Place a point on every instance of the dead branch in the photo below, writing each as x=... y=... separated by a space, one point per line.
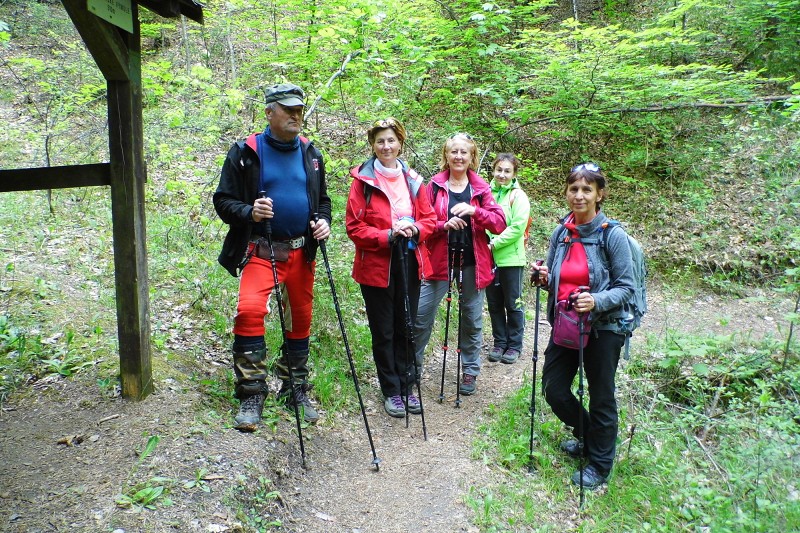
x=335 y=75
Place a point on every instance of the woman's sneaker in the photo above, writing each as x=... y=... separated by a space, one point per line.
x=468 y=384
x=592 y=477
x=394 y=406
x=510 y=356
x=572 y=448
x=414 y=406
x=496 y=354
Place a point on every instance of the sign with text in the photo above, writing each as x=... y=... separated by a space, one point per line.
x=117 y=12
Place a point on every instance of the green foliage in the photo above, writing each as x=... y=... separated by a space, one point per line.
x=25 y=357
x=66 y=361
x=704 y=448
x=154 y=492
x=746 y=34
x=199 y=481
x=256 y=503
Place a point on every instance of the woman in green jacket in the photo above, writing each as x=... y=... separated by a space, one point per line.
x=504 y=296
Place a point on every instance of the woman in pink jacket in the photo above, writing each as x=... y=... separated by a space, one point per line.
x=465 y=210
x=389 y=217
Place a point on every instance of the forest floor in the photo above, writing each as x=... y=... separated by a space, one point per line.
x=67 y=451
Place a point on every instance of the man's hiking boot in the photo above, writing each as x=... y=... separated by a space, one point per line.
x=249 y=415
x=570 y=447
x=395 y=407
x=468 y=384
x=592 y=477
x=307 y=410
x=510 y=356
x=496 y=354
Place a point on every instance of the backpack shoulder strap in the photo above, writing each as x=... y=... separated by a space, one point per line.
x=367 y=191
x=610 y=224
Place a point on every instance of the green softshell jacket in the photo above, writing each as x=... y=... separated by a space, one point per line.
x=509 y=246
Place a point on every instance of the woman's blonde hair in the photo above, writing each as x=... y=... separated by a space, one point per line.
x=388 y=123
x=473 y=148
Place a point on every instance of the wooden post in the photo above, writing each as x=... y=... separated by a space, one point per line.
x=128 y=176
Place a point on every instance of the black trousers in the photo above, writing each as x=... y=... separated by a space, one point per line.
x=600 y=423
x=392 y=349
x=506 y=308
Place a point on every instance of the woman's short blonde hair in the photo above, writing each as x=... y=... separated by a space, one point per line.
x=388 y=123
x=473 y=148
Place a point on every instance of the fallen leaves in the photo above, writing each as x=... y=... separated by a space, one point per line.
x=71 y=440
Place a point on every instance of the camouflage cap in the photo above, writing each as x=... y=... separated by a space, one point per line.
x=287 y=94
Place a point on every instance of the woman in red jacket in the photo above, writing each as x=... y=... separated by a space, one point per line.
x=465 y=210
x=389 y=215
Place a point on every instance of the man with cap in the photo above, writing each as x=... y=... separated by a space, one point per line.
x=276 y=176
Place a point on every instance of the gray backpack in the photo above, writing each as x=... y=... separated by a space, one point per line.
x=631 y=313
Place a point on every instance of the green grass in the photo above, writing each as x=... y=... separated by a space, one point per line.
x=696 y=451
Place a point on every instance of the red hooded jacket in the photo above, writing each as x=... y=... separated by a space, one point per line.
x=488 y=216
x=369 y=217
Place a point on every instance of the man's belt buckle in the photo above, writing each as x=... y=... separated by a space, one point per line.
x=295 y=243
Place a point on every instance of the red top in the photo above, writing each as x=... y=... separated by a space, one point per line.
x=574 y=268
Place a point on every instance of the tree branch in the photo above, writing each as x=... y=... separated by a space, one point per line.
x=335 y=75
x=724 y=104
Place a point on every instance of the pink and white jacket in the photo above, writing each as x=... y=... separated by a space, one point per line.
x=369 y=217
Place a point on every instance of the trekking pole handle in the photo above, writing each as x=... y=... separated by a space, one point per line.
x=536 y=278
x=576 y=292
x=267 y=223
x=315 y=217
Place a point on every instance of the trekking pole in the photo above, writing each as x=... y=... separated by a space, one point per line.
x=322 y=246
x=538 y=284
x=451 y=256
x=460 y=252
x=581 y=429
x=284 y=346
x=410 y=343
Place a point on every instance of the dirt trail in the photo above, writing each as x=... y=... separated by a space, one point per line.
x=421 y=484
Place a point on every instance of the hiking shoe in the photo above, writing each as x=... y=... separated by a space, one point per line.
x=249 y=415
x=510 y=356
x=570 y=447
x=307 y=409
x=414 y=407
x=395 y=407
x=468 y=384
x=496 y=354
x=592 y=478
